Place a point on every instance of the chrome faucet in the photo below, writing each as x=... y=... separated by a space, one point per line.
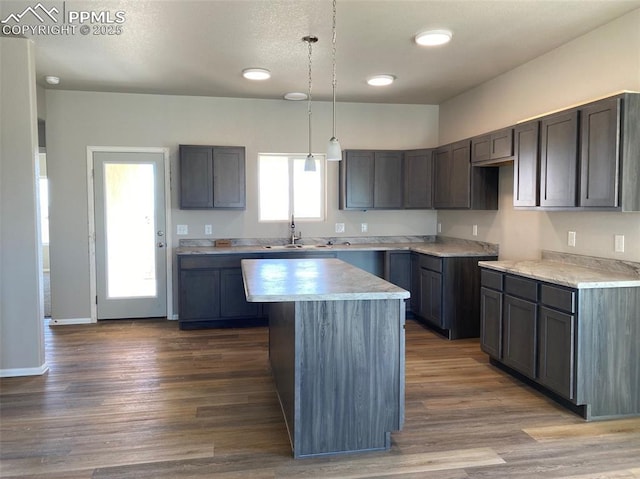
x=294 y=238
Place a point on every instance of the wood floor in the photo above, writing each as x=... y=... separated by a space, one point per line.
x=141 y=399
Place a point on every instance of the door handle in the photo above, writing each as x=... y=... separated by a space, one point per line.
x=161 y=245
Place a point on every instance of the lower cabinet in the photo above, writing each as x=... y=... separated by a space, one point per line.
x=211 y=292
x=578 y=345
x=445 y=293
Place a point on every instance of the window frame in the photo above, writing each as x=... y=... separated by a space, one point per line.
x=291 y=157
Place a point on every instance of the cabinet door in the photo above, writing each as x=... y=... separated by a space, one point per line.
x=480 y=148
x=525 y=164
x=199 y=295
x=431 y=297
x=599 y=154
x=556 y=343
x=441 y=176
x=233 y=301
x=418 y=168
x=460 y=180
x=502 y=143
x=229 y=177
x=416 y=291
x=519 y=335
x=357 y=182
x=196 y=176
x=491 y=322
x=559 y=160
x=388 y=179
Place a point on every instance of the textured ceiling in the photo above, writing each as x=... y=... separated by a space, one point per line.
x=201 y=47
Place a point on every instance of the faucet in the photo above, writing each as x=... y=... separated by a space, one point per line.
x=293 y=232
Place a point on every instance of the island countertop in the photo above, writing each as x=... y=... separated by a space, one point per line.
x=326 y=279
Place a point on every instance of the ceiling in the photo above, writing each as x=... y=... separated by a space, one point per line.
x=200 y=47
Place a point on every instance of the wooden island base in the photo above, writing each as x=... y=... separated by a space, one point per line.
x=339 y=372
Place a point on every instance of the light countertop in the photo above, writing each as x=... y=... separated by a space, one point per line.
x=566 y=274
x=327 y=279
x=452 y=249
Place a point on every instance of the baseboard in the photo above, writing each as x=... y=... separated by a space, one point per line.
x=173 y=317
x=12 y=373
x=65 y=322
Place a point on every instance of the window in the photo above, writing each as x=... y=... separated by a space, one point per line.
x=286 y=189
x=44 y=209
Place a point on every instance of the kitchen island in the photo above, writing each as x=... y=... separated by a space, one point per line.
x=336 y=347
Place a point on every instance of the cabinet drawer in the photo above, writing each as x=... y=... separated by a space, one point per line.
x=522 y=287
x=558 y=298
x=491 y=279
x=432 y=263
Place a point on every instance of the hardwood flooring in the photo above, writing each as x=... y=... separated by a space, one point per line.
x=141 y=399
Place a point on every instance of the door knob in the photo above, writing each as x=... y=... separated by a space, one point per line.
x=160 y=233
x=161 y=245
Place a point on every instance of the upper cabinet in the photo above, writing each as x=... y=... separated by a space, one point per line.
x=418 y=178
x=459 y=185
x=371 y=180
x=493 y=148
x=212 y=177
x=586 y=157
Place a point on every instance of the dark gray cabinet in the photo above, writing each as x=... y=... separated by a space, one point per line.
x=418 y=179
x=599 y=153
x=559 y=159
x=491 y=313
x=581 y=345
x=211 y=292
x=589 y=158
x=458 y=185
x=445 y=293
x=526 y=164
x=371 y=180
x=212 y=177
x=492 y=148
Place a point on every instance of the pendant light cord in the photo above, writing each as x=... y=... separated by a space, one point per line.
x=333 y=52
x=310 y=40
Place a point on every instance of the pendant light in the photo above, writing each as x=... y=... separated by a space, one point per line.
x=334 y=152
x=310 y=162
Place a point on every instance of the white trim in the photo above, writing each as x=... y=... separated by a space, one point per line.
x=173 y=317
x=93 y=290
x=12 y=373
x=68 y=321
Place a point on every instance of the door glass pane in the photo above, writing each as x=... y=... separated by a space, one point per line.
x=130 y=230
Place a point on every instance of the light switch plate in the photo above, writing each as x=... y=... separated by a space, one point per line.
x=364 y=227
x=474 y=230
x=619 y=243
x=339 y=227
x=208 y=229
x=182 y=229
x=439 y=227
x=571 y=238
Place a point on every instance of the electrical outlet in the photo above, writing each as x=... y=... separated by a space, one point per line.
x=619 y=243
x=571 y=238
x=439 y=227
x=474 y=230
x=339 y=227
x=182 y=229
x=208 y=229
x=364 y=227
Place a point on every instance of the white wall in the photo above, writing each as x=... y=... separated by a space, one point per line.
x=21 y=297
x=603 y=61
x=76 y=120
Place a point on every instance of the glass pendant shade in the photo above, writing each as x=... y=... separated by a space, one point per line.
x=310 y=163
x=334 y=152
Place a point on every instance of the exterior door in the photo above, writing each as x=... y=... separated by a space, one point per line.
x=130 y=245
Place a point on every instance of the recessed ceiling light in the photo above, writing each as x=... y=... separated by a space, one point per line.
x=381 y=80
x=51 y=80
x=295 y=96
x=433 y=38
x=256 y=73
